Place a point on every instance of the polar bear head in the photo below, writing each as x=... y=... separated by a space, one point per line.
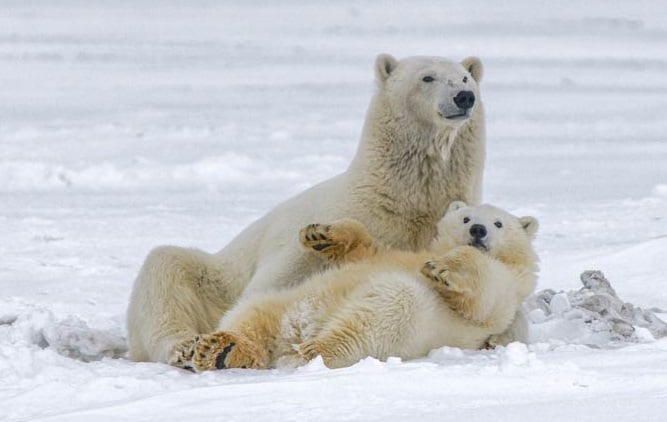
x=430 y=90
x=491 y=230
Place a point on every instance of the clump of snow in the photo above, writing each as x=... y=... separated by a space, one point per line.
x=315 y=365
x=593 y=315
x=72 y=337
x=69 y=336
x=515 y=355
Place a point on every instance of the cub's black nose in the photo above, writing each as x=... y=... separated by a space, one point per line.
x=465 y=99
x=477 y=231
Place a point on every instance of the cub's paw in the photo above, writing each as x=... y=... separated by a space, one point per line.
x=318 y=237
x=219 y=350
x=439 y=272
x=344 y=240
x=457 y=286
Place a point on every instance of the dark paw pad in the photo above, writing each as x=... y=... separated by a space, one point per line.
x=220 y=359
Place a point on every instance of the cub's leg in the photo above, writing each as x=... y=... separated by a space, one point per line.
x=342 y=241
x=338 y=349
x=476 y=286
x=377 y=319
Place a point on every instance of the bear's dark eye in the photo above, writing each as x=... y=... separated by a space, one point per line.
x=428 y=79
x=466 y=220
x=465 y=79
x=498 y=224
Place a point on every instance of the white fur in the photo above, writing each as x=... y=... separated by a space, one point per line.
x=410 y=164
x=384 y=306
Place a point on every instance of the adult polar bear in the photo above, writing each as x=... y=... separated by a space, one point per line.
x=422 y=147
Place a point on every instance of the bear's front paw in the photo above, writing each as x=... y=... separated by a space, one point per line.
x=435 y=273
x=219 y=350
x=317 y=237
x=445 y=278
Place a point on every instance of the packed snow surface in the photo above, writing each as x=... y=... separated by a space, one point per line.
x=129 y=124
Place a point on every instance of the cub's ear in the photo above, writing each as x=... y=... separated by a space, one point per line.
x=456 y=205
x=384 y=65
x=529 y=224
x=474 y=66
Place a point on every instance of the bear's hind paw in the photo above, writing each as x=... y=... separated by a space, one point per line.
x=222 y=350
x=183 y=353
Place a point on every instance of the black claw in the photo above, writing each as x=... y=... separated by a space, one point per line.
x=321 y=246
x=220 y=360
x=322 y=237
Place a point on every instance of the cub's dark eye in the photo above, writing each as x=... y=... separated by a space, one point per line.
x=466 y=220
x=465 y=79
x=428 y=79
x=498 y=224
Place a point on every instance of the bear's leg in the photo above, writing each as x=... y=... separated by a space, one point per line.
x=178 y=294
x=337 y=349
x=459 y=277
x=339 y=242
x=479 y=288
x=348 y=336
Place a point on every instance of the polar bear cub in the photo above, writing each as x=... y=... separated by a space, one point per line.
x=376 y=302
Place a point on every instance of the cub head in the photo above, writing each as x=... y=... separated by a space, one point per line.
x=430 y=90
x=491 y=230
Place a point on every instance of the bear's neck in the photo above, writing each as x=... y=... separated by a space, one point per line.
x=404 y=165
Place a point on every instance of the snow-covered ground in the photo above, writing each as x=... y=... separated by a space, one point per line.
x=129 y=124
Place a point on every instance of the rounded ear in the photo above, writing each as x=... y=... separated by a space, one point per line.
x=529 y=224
x=474 y=66
x=456 y=205
x=384 y=65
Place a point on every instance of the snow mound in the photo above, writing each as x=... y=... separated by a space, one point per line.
x=69 y=336
x=593 y=315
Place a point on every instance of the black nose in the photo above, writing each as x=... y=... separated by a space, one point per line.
x=465 y=99
x=477 y=231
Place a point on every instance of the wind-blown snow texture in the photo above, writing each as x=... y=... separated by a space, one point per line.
x=129 y=124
